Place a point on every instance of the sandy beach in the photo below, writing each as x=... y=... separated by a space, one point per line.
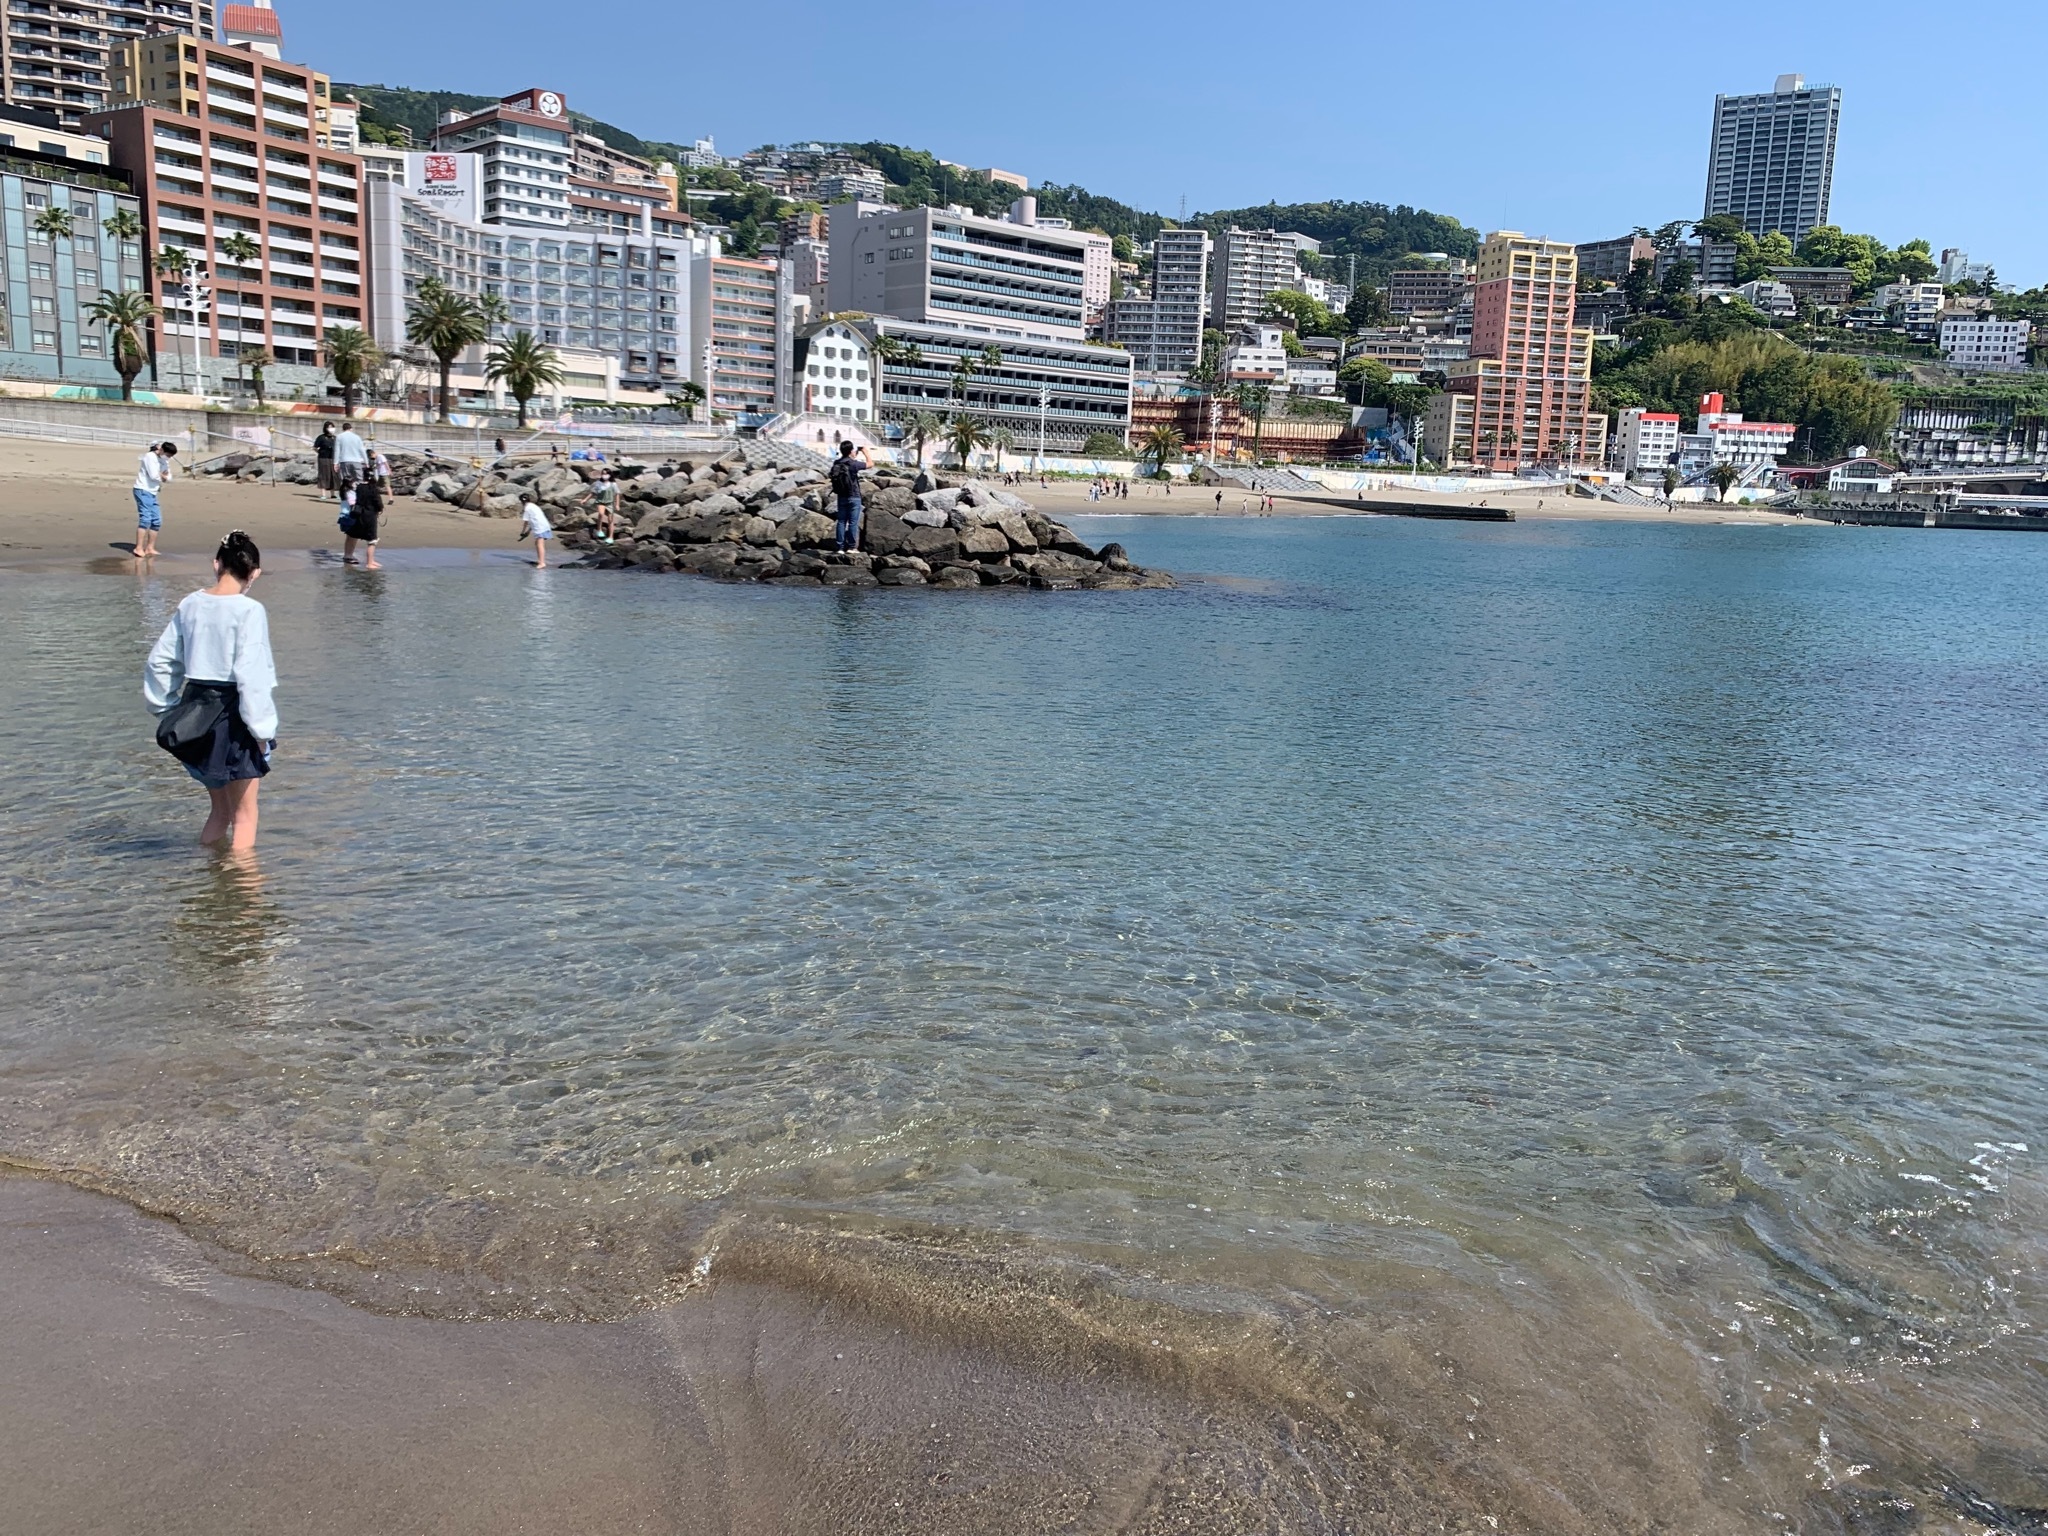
x=66 y=501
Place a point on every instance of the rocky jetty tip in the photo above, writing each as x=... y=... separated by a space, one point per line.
x=757 y=511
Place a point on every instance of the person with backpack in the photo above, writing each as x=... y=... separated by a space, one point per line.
x=846 y=471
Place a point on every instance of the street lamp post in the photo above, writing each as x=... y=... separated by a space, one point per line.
x=194 y=292
x=1044 y=401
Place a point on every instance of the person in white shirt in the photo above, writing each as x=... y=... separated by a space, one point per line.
x=150 y=475
x=534 y=521
x=351 y=458
x=216 y=650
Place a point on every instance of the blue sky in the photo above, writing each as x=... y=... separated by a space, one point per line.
x=1943 y=128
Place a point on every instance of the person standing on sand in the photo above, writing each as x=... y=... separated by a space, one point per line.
x=1219 y=498
x=534 y=521
x=215 y=653
x=151 y=472
x=351 y=458
x=323 y=460
x=846 y=470
x=380 y=470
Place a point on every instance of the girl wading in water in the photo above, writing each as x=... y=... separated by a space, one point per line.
x=209 y=681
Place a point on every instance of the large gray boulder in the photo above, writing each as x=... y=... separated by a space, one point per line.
x=782 y=511
x=718 y=505
x=1014 y=528
x=890 y=498
x=505 y=505
x=927 y=517
x=939 y=501
x=985 y=543
x=885 y=533
x=934 y=544
x=808 y=530
x=748 y=486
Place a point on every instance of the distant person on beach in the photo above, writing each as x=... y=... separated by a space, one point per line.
x=151 y=472
x=534 y=521
x=365 y=504
x=380 y=470
x=323 y=459
x=846 y=471
x=922 y=483
x=209 y=681
x=1219 y=499
x=501 y=447
x=351 y=458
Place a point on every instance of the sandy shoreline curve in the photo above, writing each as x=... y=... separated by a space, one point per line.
x=70 y=502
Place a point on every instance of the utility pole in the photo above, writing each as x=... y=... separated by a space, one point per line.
x=193 y=292
x=1044 y=400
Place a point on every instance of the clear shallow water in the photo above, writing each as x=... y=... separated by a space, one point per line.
x=1590 y=970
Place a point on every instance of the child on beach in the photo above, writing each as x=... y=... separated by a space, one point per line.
x=150 y=476
x=534 y=521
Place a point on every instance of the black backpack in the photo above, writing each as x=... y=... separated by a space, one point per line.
x=845 y=477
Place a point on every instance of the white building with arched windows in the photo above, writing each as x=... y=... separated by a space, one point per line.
x=834 y=372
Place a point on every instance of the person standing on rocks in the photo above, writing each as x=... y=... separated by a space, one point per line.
x=323 y=459
x=604 y=496
x=846 y=471
x=150 y=475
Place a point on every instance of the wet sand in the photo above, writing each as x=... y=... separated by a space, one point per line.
x=149 y=1390
x=66 y=501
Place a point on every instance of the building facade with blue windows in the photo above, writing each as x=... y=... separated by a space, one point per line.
x=49 y=279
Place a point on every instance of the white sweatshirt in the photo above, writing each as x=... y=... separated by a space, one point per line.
x=151 y=472
x=216 y=640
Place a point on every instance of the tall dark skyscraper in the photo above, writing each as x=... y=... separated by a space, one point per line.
x=1772 y=161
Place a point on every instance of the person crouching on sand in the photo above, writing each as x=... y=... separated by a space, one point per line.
x=209 y=680
x=150 y=476
x=534 y=521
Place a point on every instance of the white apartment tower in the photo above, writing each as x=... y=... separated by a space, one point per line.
x=1251 y=264
x=1772 y=160
x=1163 y=333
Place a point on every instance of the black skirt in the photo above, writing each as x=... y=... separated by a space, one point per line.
x=234 y=753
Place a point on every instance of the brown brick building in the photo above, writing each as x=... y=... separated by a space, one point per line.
x=224 y=140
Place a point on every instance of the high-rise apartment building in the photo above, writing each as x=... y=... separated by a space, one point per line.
x=225 y=141
x=1163 y=333
x=1431 y=290
x=739 y=360
x=1529 y=378
x=55 y=54
x=1251 y=265
x=1772 y=159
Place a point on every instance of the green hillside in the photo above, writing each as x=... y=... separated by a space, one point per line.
x=1377 y=234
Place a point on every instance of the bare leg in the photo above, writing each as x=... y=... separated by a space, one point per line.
x=370 y=557
x=348 y=551
x=241 y=803
x=540 y=553
x=217 y=818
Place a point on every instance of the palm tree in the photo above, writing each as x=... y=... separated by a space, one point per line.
x=124 y=314
x=350 y=355
x=1159 y=445
x=258 y=361
x=447 y=325
x=122 y=224
x=1001 y=438
x=969 y=365
x=963 y=435
x=173 y=267
x=525 y=367
x=685 y=397
x=923 y=425
x=1724 y=477
x=238 y=250
x=51 y=225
